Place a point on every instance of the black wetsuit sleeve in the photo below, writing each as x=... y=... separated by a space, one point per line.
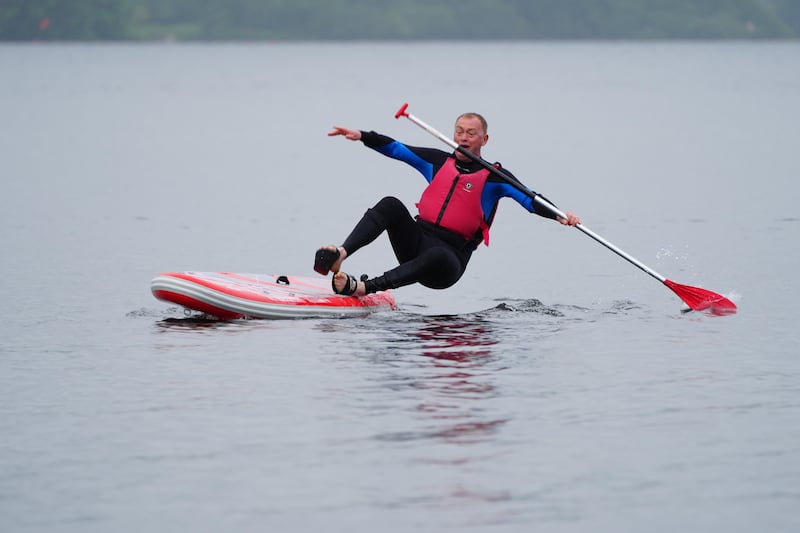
x=542 y=210
x=375 y=140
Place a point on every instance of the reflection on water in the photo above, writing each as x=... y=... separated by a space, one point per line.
x=457 y=340
x=443 y=371
x=450 y=366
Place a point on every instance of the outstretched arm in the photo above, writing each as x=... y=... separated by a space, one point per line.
x=426 y=160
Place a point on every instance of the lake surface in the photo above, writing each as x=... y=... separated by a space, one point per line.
x=555 y=388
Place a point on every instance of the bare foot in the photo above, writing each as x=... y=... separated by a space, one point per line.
x=340 y=281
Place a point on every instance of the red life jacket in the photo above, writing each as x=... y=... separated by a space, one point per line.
x=453 y=201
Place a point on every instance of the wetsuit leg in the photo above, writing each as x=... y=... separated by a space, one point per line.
x=436 y=266
x=388 y=215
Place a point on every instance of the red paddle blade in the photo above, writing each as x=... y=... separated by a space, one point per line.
x=700 y=299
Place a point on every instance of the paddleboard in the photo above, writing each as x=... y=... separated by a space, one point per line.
x=229 y=295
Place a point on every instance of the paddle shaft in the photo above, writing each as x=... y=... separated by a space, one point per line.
x=518 y=185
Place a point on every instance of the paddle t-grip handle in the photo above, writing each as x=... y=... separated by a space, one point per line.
x=402 y=111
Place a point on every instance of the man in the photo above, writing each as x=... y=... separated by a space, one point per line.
x=455 y=212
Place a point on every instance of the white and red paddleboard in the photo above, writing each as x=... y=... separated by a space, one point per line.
x=229 y=296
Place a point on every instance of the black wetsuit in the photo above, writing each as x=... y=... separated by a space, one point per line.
x=429 y=255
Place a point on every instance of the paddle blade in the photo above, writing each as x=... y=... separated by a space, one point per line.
x=700 y=299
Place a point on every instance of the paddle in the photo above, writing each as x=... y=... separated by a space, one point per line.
x=696 y=298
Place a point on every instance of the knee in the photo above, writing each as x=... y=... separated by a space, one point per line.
x=389 y=204
x=389 y=208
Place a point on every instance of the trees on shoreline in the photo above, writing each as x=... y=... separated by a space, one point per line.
x=302 y=20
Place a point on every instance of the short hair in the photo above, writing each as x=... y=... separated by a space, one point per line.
x=475 y=115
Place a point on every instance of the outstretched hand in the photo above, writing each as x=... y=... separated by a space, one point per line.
x=571 y=220
x=353 y=135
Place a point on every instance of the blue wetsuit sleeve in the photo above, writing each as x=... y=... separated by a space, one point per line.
x=427 y=161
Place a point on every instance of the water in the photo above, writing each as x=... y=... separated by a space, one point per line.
x=555 y=388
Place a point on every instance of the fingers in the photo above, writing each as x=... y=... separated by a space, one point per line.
x=337 y=130
x=352 y=135
x=571 y=220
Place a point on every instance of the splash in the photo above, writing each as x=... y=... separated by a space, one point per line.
x=531 y=305
x=667 y=253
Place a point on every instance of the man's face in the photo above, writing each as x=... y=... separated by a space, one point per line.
x=469 y=134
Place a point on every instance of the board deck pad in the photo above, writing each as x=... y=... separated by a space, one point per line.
x=229 y=295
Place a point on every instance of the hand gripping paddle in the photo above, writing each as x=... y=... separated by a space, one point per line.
x=696 y=298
